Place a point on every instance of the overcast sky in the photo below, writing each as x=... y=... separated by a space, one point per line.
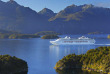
x=57 y=5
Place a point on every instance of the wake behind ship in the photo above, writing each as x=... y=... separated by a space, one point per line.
x=72 y=41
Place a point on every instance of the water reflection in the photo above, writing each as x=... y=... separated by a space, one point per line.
x=40 y=55
x=70 y=49
x=63 y=50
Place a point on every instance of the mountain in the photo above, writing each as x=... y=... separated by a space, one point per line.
x=47 y=12
x=72 y=12
x=19 y=18
x=8 y=32
x=72 y=20
x=83 y=19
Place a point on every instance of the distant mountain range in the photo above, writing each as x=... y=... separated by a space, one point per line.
x=72 y=20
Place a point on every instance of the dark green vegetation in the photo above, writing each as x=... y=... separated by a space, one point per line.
x=47 y=33
x=94 y=60
x=108 y=37
x=12 y=65
x=17 y=36
x=95 y=33
x=72 y=20
x=75 y=71
x=23 y=36
x=50 y=37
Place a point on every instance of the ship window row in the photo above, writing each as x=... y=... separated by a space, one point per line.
x=75 y=41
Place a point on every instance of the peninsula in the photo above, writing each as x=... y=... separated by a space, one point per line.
x=94 y=60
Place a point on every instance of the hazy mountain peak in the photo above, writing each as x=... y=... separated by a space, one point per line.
x=73 y=5
x=12 y=2
x=86 y=6
x=70 y=10
x=46 y=11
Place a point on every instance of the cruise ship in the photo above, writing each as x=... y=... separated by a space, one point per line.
x=73 y=41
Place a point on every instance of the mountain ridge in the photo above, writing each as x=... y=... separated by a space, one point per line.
x=71 y=20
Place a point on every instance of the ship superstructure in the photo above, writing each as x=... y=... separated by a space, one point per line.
x=72 y=41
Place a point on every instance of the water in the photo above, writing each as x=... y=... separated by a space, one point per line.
x=41 y=56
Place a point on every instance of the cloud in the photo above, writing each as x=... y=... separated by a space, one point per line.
x=107 y=5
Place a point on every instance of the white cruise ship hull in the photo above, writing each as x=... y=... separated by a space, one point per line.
x=73 y=41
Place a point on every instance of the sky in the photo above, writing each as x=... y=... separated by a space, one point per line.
x=58 y=5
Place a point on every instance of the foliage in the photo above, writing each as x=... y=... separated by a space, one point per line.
x=95 y=60
x=95 y=32
x=4 y=36
x=49 y=37
x=70 y=61
x=108 y=37
x=12 y=65
x=17 y=36
x=22 y=36
x=47 y=33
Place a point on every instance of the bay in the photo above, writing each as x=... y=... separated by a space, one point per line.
x=42 y=56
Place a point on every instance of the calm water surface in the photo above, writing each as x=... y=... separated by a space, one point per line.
x=41 y=56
